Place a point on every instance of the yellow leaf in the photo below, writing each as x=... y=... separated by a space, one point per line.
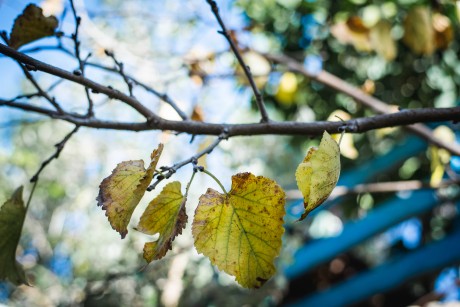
x=368 y=87
x=418 y=31
x=439 y=157
x=30 y=26
x=241 y=231
x=318 y=173
x=12 y=215
x=197 y=114
x=382 y=41
x=121 y=192
x=164 y=215
x=443 y=31
x=354 y=32
x=347 y=146
x=287 y=89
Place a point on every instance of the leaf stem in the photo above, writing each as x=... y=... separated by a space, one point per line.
x=189 y=183
x=31 y=194
x=341 y=137
x=216 y=180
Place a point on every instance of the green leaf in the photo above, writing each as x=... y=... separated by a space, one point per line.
x=30 y=26
x=318 y=173
x=121 y=192
x=164 y=215
x=12 y=215
x=241 y=231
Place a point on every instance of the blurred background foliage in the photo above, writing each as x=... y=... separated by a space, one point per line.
x=404 y=52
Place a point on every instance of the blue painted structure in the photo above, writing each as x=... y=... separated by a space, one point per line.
x=396 y=270
x=392 y=273
x=377 y=221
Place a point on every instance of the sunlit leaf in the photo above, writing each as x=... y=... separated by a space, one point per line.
x=287 y=88
x=31 y=25
x=318 y=173
x=368 y=87
x=418 y=31
x=121 y=192
x=166 y=216
x=197 y=114
x=347 y=146
x=443 y=31
x=353 y=32
x=382 y=41
x=12 y=215
x=241 y=231
x=440 y=157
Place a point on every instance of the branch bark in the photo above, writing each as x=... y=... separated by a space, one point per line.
x=94 y=86
x=358 y=95
x=154 y=122
x=357 y=125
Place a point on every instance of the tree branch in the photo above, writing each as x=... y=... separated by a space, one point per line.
x=246 y=69
x=121 y=71
x=164 y=97
x=357 y=125
x=193 y=159
x=95 y=87
x=81 y=62
x=154 y=122
x=373 y=103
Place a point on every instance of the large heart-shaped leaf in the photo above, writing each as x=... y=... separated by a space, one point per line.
x=241 y=231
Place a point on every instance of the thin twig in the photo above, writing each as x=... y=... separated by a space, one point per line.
x=40 y=92
x=81 y=62
x=59 y=147
x=94 y=86
x=154 y=122
x=246 y=69
x=163 y=96
x=121 y=72
x=193 y=159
